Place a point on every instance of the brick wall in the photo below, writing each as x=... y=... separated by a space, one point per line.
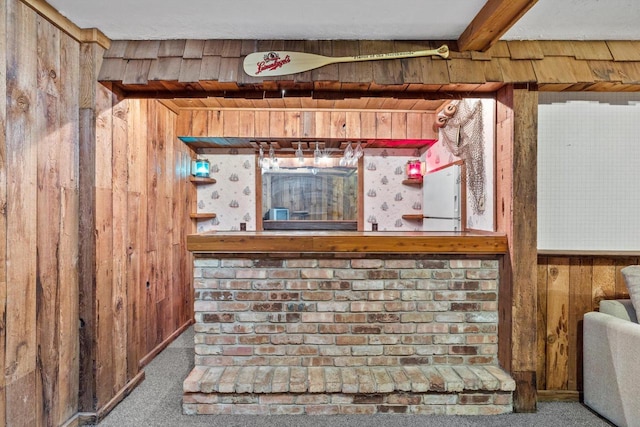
x=345 y=310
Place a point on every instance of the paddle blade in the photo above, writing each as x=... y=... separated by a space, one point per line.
x=280 y=63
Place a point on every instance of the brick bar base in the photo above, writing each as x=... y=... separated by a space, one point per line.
x=267 y=390
x=345 y=334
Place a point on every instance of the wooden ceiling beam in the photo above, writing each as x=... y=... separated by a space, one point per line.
x=494 y=19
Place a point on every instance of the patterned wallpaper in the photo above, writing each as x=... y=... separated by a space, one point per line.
x=386 y=199
x=233 y=197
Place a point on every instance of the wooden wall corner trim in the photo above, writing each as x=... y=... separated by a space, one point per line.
x=83 y=35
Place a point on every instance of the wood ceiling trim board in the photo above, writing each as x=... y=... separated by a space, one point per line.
x=171 y=48
x=142 y=49
x=117 y=49
x=624 y=50
x=494 y=19
x=525 y=50
x=193 y=49
x=592 y=50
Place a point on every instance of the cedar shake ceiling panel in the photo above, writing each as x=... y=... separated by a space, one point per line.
x=193 y=49
x=556 y=48
x=624 y=50
x=171 y=48
x=592 y=50
x=525 y=50
x=142 y=49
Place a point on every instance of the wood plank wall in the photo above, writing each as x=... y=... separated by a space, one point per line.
x=143 y=292
x=49 y=108
x=293 y=123
x=39 y=221
x=568 y=287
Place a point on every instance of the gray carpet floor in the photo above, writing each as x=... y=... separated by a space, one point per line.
x=157 y=401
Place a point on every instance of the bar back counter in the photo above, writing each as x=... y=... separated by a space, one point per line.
x=331 y=322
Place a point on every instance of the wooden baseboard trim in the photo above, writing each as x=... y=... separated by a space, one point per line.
x=124 y=392
x=559 y=396
x=80 y=419
x=149 y=357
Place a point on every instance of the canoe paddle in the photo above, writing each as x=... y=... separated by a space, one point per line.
x=280 y=63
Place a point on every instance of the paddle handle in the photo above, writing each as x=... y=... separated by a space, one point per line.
x=442 y=51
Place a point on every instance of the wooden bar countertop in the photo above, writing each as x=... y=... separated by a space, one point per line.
x=471 y=242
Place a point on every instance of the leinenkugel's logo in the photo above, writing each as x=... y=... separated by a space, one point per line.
x=272 y=61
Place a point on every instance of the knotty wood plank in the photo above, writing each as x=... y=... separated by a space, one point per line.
x=338 y=124
x=199 y=123
x=21 y=219
x=48 y=232
x=580 y=277
x=120 y=214
x=246 y=122
x=383 y=125
x=604 y=280
x=3 y=202
x=231 y=123
x=352 y=125
x=291 y=128
x=215 y=123
x=104 y=336
x=399 y=125
x=543 y=278
x=558 y=324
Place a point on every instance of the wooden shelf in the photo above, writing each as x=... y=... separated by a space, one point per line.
x=413 y=217
x=202 y=215
x=198 y=180
x=413 y=181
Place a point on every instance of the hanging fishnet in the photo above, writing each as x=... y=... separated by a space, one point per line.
x=463 y=137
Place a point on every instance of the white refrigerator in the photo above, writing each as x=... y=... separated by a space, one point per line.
x=441 y=204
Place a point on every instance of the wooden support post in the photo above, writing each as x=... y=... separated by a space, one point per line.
x=517 y=112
